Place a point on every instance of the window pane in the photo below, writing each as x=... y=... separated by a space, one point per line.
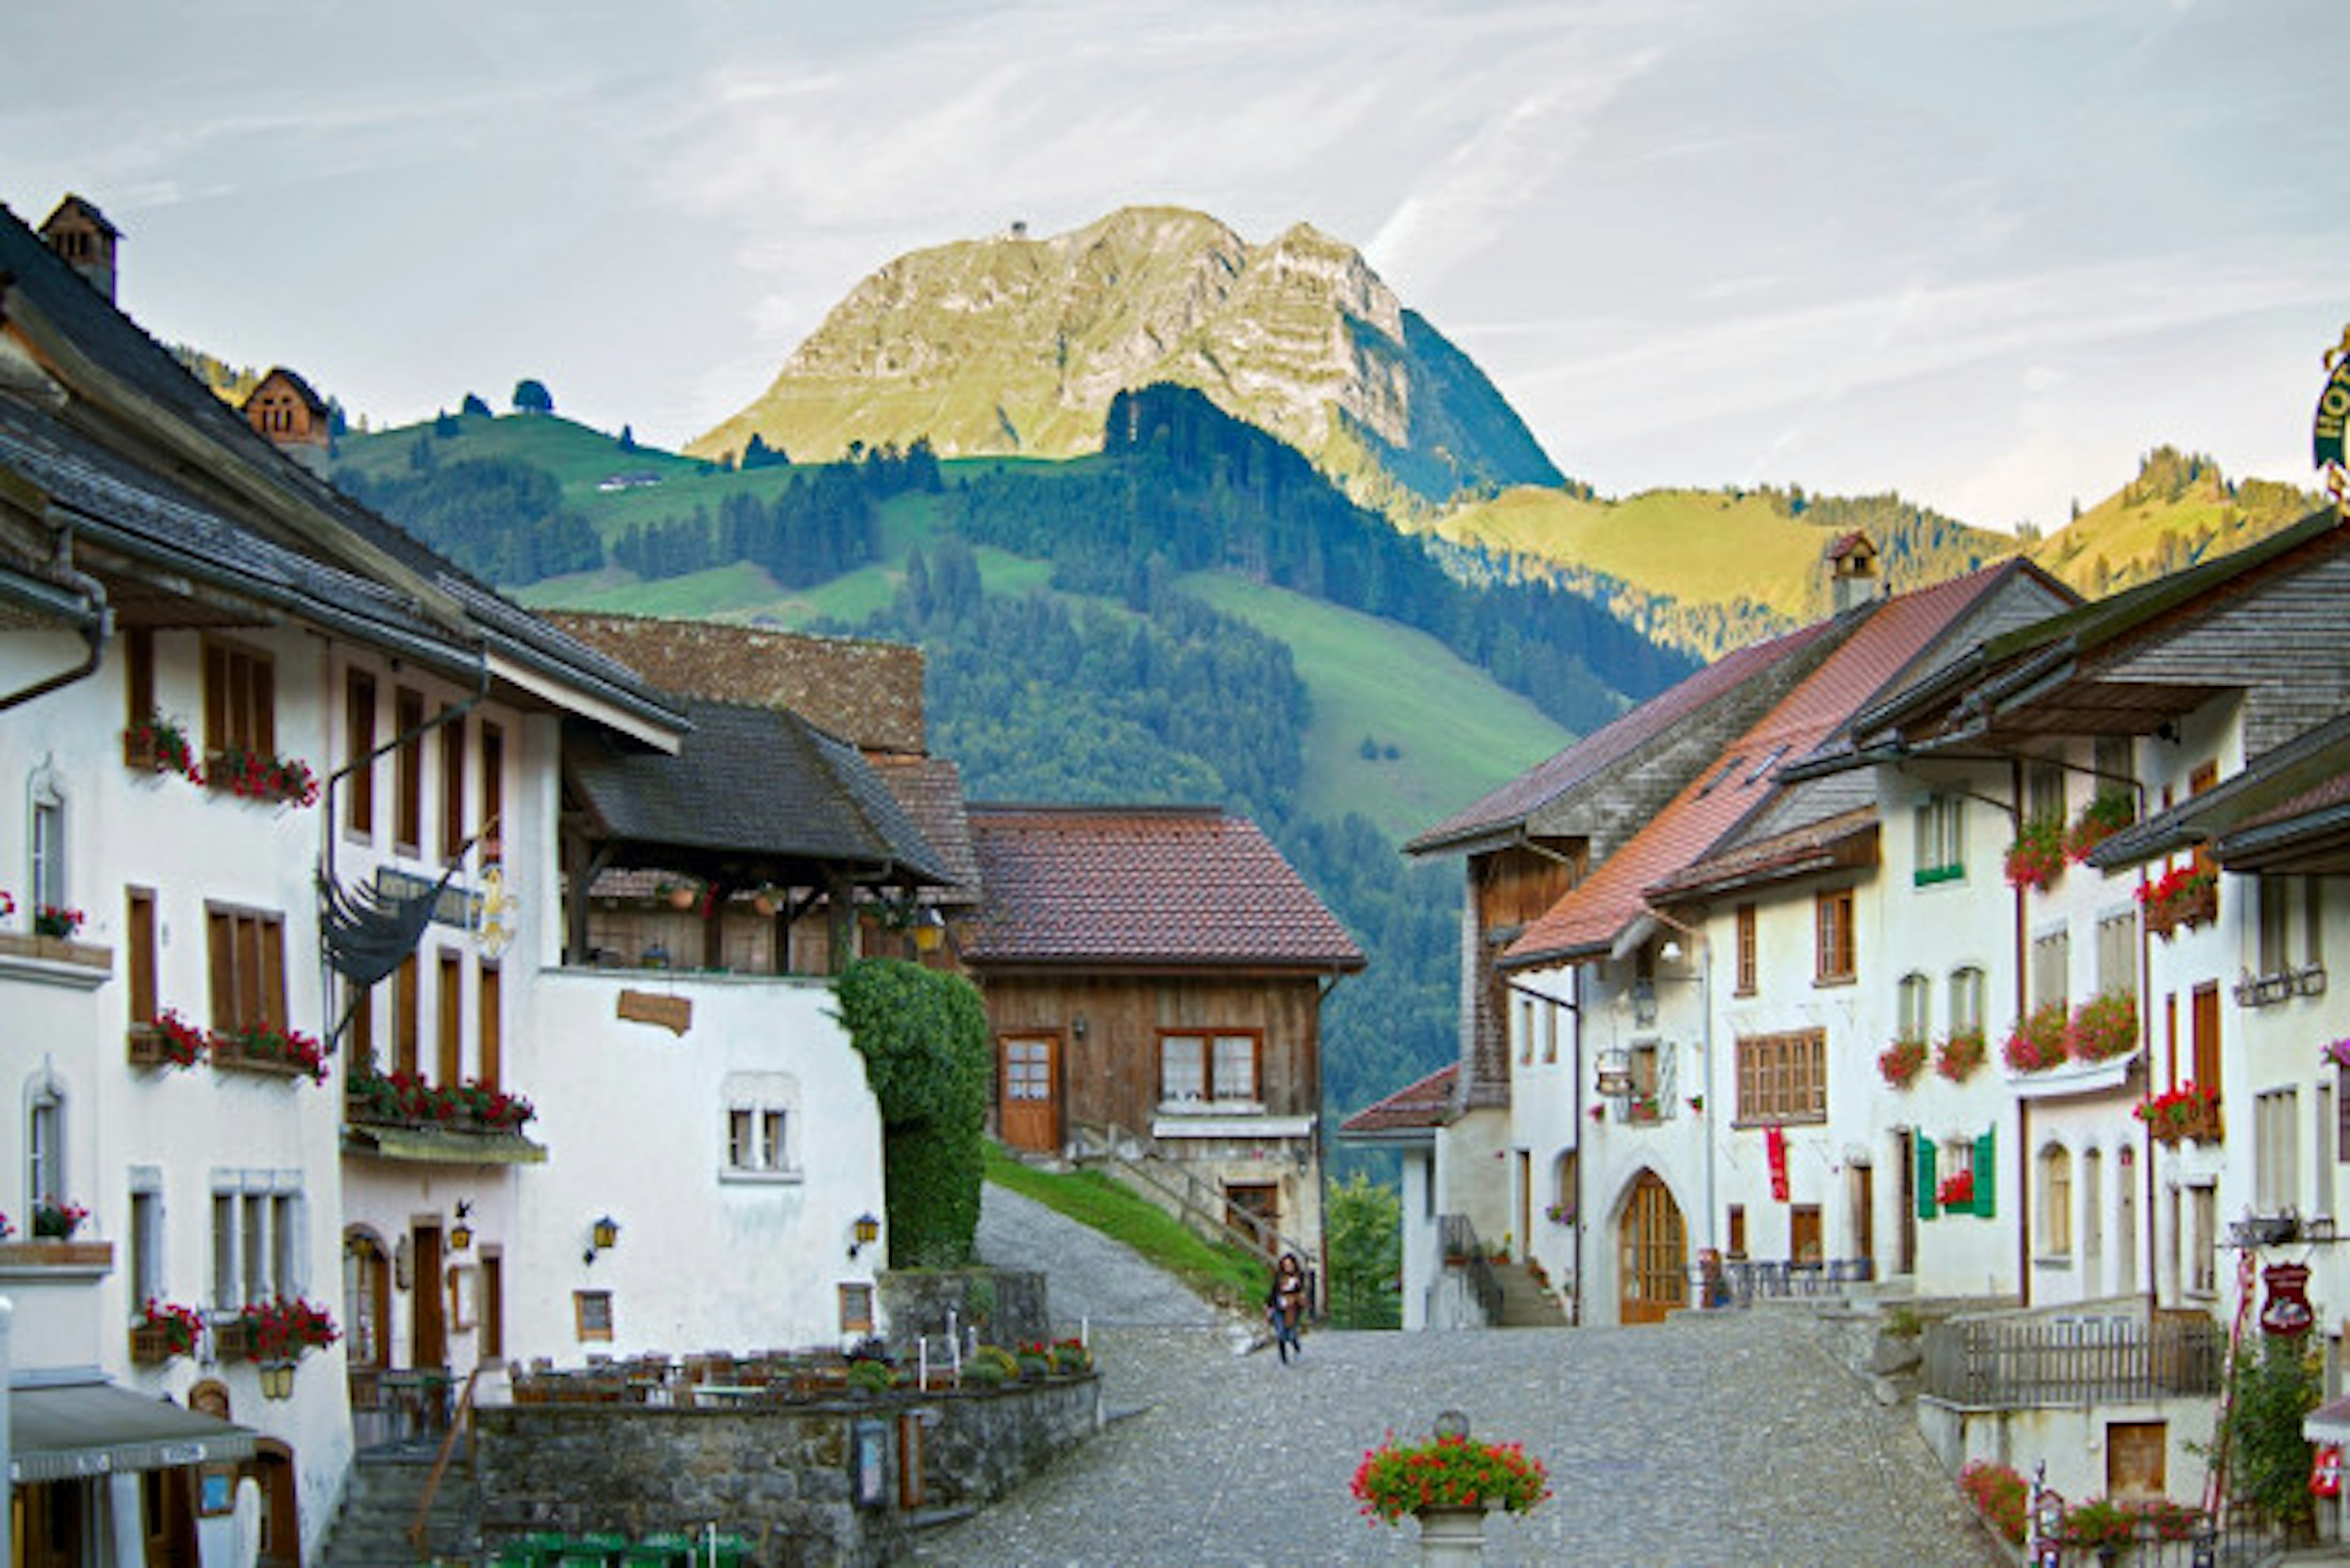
x=772 y=1140
x=1182 y=1068
x=1236 y=1066
x=739 y=1153
x=225 y=1294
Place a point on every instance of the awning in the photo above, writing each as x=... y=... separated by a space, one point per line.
x=95 y=1429
x=442 y=1146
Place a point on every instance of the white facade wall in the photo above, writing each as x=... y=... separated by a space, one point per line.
x=635 y=1123
x=184 y=1138
x=1423 y=1260
x=1545 y=1127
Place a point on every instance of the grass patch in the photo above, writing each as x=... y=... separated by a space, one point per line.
x=1218 y=1270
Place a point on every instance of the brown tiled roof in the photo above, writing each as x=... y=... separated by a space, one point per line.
x=1144 y=887
x=1415 y=1108
x=1848 y=839
x=1514 y=803
x=931 y=789
x=1890 y=642
x=864 y=691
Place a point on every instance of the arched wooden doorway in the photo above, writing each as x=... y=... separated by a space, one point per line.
x=1652 y=1253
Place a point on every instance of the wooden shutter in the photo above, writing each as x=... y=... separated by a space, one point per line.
x=1927 y=1205
x=138 y=938
x=1986 y=1165
x=491 y=1040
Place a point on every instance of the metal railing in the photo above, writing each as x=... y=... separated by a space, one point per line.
x=2001 y=1363
x=1464 y=1252
x=1202 y=1201
x=1743 y=1282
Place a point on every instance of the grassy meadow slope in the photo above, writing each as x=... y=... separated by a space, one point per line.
x=1455 y=733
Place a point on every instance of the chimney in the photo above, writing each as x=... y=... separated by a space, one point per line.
x=1852 y=572
x=285 y=412
x=79 y=233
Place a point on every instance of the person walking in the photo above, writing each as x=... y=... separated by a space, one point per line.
x=1285 y=1306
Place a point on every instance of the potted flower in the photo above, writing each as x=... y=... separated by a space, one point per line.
x=167 y=1041
x=7 y=904
x=2107 y=813
x=1956 y=1190
x=2036 y=859
x=1447 y=1483
x=1035 y=1359
x=2185 y=1114
x=2337 y=1054
x=2181 y=898
x=55 y=1220
x=2037 y=1041
x=257 y=775
x=163 y=1331
x=269 y=1048
x=285 y=1330
x=2100 y=1525
x=56 y=920
x=2103 y=1028
x=1960 y=1055
x=680 y=894
x=1900 y=1062
x=1560 y=1213
x=158 y=744
x=1071 y=1358
x=1999 y=1493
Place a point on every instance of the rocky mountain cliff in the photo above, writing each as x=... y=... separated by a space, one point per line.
x=1014 y=346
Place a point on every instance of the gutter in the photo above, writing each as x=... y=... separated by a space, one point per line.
x=92 y=610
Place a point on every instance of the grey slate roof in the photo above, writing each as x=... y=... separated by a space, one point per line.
x=750 y=788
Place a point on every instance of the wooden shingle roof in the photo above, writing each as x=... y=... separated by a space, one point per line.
x=753 y=794
x=1144 y=887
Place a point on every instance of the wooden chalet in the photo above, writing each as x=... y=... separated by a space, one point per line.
x=1154 y=978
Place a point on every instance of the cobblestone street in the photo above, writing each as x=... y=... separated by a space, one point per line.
x=1726 y=1440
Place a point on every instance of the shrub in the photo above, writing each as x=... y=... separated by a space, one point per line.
x=2269 y=1459
x=924 y=1037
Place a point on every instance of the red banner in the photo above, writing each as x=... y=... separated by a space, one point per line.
x=1774 y=1145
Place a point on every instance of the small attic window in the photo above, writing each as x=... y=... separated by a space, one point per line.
x=1720 y=778
x=1766 y=765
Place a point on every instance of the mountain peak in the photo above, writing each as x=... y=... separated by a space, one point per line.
x=1016 y=345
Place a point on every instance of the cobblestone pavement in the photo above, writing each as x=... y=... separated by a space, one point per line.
x=1729 y=1438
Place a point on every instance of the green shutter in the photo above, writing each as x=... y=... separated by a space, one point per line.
x=1927 y=1207
x=1986 y=1168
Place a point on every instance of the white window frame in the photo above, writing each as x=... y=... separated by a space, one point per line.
x=1942 y=840
x=260 y=1238
x=760 y=1130
x=1966 y=1004
x=44 y=838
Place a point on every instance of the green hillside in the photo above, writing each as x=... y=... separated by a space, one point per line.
x=2179 y=509
x=580 y=459
x=1456 y=735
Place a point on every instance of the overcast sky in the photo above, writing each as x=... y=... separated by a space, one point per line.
x=1984 y=251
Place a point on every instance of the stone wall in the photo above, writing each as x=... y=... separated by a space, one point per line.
x=780 y=1476
x=1007 y=1304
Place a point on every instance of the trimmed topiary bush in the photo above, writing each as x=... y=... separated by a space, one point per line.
x=923 y=1036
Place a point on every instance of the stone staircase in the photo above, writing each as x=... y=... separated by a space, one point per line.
x=379 y=1508
x=1525 y=1303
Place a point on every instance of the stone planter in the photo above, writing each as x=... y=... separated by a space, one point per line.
x=1451 y=1537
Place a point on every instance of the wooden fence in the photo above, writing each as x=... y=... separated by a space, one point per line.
x=1993 y=1363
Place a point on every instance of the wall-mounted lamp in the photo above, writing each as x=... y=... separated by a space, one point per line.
x=1672 y=951
x=602 y=1237
x=461 y=1234
x=1644 y=1001
x=868 y=1231
x=277 y=1380
x=1078 y=1026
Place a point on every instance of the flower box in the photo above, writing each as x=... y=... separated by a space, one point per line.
x=2036 y=859
x=1900 y=1062
x=238 y=1339
x=170 y=1041
x=287 y=1054
x=154 y=1344
x=1960 y=1055
x=90 y=1257
x=2181 y=900
x=286 y=781
x=159 y=745
x=2185 y=1115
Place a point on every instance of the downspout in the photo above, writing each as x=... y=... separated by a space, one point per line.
x=99 y=628
x=2022 y=1107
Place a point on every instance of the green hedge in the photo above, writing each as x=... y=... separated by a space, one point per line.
x=923 y=1036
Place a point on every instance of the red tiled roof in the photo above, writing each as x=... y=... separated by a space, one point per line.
x=1128 y=887
x=1519 y=799
x=1426 y=1103
x=1590 y=917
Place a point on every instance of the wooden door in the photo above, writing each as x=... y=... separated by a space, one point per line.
x=1525 y=1205
x=1030 y=1111
x=168 y=1516
x=1904 y=1155
x=1864 y=1215
x=1257 y=1201
x=428 y=1328
x=1652 y=1253
x=1804 y=1233
x=271 y=1470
